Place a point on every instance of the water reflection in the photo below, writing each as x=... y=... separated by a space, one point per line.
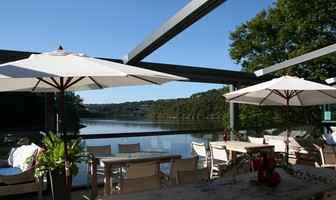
x=124 y=125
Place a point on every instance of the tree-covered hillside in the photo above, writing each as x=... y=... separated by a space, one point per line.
x=204 y=105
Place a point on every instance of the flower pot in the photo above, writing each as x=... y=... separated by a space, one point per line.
x=58 y=185
x=271 y=178
x=267 y=174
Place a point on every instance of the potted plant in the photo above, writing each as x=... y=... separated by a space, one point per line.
x=51 y=159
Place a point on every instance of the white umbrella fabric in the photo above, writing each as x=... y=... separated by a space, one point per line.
x=62 y=71
x=285 y=91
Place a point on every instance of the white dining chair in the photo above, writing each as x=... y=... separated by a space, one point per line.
x=219 y=157
x=256 y=140
x=279 y=145
x=200 y=150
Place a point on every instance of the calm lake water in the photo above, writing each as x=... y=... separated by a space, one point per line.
x=123 y=125
x=174 y=143
x=178 y=144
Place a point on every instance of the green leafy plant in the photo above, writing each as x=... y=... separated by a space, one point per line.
x=237 y=135
x=288 y=168
x=51 y=158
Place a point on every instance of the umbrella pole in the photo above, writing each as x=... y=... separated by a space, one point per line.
x=287 y=132
x=64 y=128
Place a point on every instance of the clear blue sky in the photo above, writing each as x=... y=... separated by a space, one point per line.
x=112 y=28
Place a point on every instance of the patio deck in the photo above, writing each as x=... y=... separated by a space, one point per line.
x=79 y=194
x=289 y=188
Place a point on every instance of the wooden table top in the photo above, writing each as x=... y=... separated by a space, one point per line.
x=241 y=146
x=118 y=159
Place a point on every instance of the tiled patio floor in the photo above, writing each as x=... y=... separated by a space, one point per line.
x=82 y=194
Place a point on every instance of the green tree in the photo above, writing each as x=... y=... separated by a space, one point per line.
x=289 y=29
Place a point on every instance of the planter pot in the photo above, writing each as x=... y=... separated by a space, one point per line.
x=58 y=186
x=266 y=174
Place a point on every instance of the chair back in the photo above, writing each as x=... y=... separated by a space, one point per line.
x=192 y=176
x=126 y=148
x=329 y=195
x=139 y=184
x=96 y=150
x=279 y=145
x=328 y=155
x=256 y=140
x=141 y=176
x=137 y=170
x=218 y=153
x=182 y=165
x=219 y=157
x=199 y=149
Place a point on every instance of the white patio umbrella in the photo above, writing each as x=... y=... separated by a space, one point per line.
x=285 y=91
x=62 y=71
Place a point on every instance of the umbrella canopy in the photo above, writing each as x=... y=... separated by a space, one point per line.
x=62 y=71
x=297 y=91
x=284 y=91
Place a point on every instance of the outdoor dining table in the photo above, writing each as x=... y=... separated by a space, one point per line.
x=244 y=187
x=243 y=147
x=118 y=160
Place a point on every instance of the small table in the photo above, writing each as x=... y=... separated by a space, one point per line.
x=118 y=160
x=243 y=147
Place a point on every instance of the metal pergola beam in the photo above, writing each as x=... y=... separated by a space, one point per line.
x=188 y=15
x=206 y=75
x=297 y=60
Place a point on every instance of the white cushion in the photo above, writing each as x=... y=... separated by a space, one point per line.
x=333 y=129
x=330 y=138
x=18 y=156
x=11 y=156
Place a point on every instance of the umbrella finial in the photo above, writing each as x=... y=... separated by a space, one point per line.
x=60 y=48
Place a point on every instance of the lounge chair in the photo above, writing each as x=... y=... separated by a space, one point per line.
x=19 y=176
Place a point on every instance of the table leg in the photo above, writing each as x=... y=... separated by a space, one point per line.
x=230 y=155
x=121 y=181
x=94 y=192
x=107 y=186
